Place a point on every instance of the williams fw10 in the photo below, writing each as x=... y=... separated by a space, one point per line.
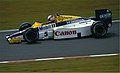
x=67 y=26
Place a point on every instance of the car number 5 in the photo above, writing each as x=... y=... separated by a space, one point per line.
x=46 y=34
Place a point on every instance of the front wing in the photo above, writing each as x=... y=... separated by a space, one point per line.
x=14 y=40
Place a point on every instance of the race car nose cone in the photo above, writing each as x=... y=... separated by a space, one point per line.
x=7 y=37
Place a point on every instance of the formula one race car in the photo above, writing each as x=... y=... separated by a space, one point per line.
x=66 y=27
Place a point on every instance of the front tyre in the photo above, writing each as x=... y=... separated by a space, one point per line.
x=24 y=26
x=98 y=30
x=31 y=35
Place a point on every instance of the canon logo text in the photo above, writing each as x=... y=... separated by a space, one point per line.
x=63 y=33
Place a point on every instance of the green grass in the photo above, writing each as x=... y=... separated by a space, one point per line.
x=99 y=64
x=14 y=12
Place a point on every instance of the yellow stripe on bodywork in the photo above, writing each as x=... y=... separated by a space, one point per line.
x=36 y=24
x=61 y=18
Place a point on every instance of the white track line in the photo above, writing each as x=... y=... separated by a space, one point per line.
x=103 y=55
x=8 y=30
x=58 y=58
x=116 y=21
x=17 y=29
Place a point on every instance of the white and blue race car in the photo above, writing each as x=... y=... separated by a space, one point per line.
x=72 y=28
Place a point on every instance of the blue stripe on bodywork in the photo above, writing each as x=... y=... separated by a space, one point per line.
x=70 y=21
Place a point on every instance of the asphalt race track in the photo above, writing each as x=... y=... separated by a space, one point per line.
x=59 y=48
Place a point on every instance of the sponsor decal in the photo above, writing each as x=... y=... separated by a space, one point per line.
x=80 y=20
x=64 y=33
x=108 y=15
x=47 y=26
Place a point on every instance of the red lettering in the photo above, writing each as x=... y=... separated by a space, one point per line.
x=74 y=32
x=63 y=33
x=57 y=33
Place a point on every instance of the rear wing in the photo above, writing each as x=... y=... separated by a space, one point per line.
x=104 y=15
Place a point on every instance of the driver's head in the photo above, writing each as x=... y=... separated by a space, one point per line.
x=51 y=18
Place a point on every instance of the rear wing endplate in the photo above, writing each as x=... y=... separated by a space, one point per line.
x=104 y=15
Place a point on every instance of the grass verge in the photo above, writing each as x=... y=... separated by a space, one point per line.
x=98 y=64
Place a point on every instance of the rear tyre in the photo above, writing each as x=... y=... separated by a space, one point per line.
x=24 y=26
x=31 y=35
x=98 y=30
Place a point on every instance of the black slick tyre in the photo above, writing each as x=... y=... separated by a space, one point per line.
x=31 y=35
x=98 y=30
x=24 y=26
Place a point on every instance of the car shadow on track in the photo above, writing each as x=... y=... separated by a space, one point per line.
x=110 y=35
x=37 y=42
